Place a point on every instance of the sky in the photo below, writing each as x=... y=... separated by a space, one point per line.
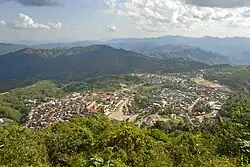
x=69 y=20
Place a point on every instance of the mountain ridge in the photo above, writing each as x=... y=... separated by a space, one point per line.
x=88 y=61
x=234 y=48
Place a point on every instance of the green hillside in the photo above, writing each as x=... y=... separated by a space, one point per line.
x=72 y=64
x=13 y=104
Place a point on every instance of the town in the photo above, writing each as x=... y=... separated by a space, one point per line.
x=156 y=98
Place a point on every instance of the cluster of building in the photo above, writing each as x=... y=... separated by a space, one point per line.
x=176 y=92
x=75 y=104
x=182 y=94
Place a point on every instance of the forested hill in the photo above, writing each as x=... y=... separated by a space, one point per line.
x=78 y=62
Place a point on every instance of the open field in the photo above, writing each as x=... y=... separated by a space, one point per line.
x=206 y=82
x=147 y=87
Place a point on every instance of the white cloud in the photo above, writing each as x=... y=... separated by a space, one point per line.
x=161 y=15
x=111 y=28
x=55 y=26
x=2 y=22
x=26 y=22
x=110 y=3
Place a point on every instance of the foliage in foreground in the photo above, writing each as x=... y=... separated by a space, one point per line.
x=98 y=142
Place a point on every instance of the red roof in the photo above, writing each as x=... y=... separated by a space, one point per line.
x=149 y=118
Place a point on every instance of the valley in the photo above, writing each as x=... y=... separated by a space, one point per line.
x=170 y=96
x=124 y=83
x=75 y=103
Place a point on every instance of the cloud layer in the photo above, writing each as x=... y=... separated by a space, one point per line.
x=36 y=2
x=26 y=22
x=161 y=15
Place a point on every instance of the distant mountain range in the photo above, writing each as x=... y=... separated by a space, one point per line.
x=142 y=48
x=7 y=48
x=166 y=51
x=235 y=48
x=196 y=54
x=79 y=62
x=211 y=50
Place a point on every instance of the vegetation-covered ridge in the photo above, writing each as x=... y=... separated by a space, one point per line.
x=79 y=62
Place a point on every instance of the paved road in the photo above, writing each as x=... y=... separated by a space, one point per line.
x=118 y=114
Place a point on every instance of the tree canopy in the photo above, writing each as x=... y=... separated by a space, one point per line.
x=97 y=142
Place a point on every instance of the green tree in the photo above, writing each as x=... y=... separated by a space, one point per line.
x=22 y=147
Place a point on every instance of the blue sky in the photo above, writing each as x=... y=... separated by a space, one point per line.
x=105 y=19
